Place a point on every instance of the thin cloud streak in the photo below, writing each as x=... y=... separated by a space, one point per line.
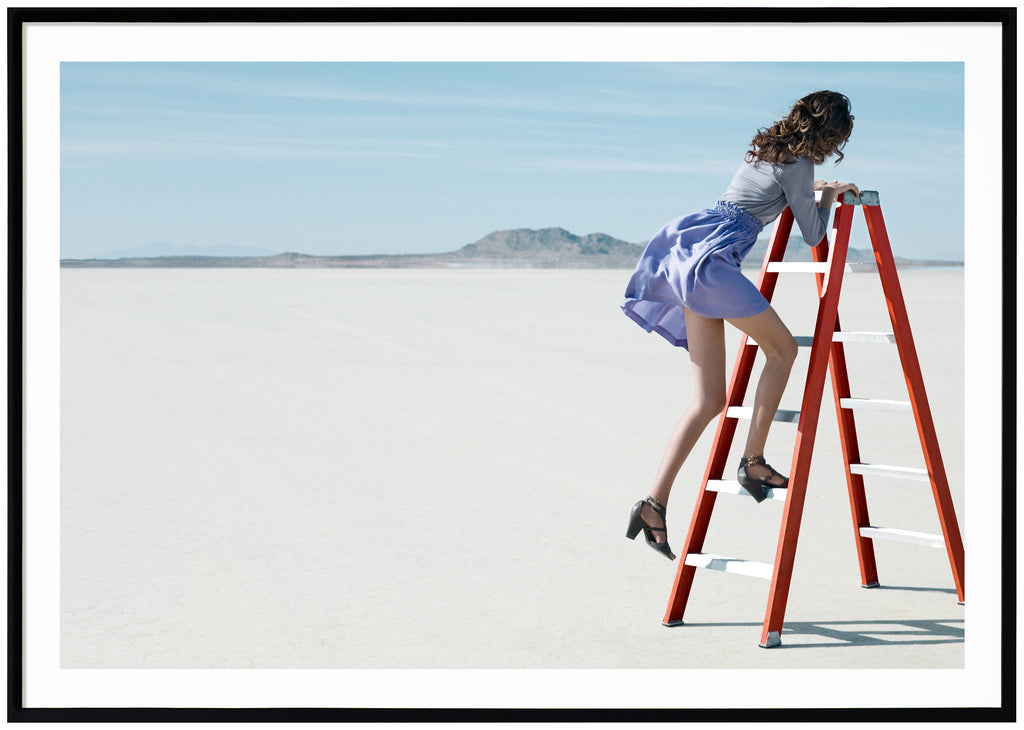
x=621 y=165
x=251 y=149
x=629 y=104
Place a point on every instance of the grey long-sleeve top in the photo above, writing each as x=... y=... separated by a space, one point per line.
x=764 y=189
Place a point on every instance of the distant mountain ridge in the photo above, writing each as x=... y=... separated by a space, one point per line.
x=550 y=248
x=555 y=247
x=163 y=248
x=516 y=248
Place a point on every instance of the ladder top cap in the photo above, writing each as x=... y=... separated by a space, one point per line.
x=867 y=197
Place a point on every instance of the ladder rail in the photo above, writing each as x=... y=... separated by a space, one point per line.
x=851 y=452
x=810 y=409
x=915 y=388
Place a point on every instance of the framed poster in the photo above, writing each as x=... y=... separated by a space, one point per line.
x=293 y=447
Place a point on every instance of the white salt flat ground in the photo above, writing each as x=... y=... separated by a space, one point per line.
x=433 y=469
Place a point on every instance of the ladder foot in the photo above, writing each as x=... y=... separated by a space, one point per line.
x=959 y=603
x=869 y=585
x=672 y=624
x=774 y=639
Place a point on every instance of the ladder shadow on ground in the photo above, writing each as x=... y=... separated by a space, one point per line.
x=863 y=633
x=838 y=634
x=928 y=589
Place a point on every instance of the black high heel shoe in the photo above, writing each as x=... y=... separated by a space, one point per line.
x=754 y=486
x=637 y=523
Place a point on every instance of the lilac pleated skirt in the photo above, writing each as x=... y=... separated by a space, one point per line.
x=694 y=262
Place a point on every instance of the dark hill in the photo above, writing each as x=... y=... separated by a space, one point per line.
x=550 y=247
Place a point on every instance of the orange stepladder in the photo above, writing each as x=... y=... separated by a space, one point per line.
x=827 y=353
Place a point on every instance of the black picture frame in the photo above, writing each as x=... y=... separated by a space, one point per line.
x=17 y=18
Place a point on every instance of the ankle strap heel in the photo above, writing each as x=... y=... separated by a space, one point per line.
x=638 y=523
x=754 y=486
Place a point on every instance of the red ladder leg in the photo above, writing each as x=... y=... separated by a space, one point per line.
x=851 y=451
x=782 y=571
x=915 y=387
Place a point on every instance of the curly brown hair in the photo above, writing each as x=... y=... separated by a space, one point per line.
x=817 y=127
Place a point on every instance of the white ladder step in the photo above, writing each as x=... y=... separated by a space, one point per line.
x=891 y=533
x=747 y=412
x=797 y=267
x=801 y=341
x=730 y=565
x=731 y=486
x=808 y=267
x=808 y=340
x=895 y=472
x=875 y=404
x=864 y=337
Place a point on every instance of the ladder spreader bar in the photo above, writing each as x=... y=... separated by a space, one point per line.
x=730 y=565
x=731 y=486
x=891 y=533
x=864 y=337
x=875 y=404
x=895 y=472
x=747 y=412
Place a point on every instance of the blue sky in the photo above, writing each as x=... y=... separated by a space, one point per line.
x=359 y=158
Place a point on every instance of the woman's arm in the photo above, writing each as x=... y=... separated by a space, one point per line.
x=830 y=191
x=798 y=185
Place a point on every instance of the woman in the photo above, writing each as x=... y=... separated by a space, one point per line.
x=688 y=283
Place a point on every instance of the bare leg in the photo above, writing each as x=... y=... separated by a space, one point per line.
x=706 y=343
x=780 y=350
